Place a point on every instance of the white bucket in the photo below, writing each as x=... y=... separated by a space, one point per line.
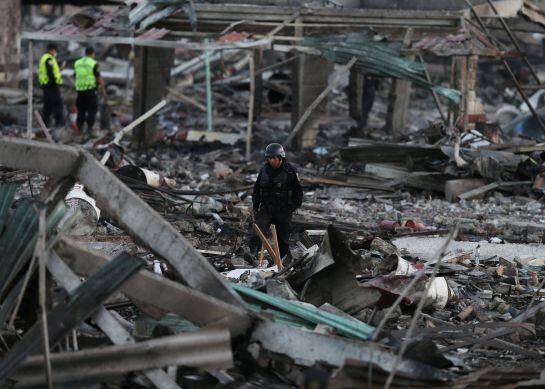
x=77 y=192
x=438 y=293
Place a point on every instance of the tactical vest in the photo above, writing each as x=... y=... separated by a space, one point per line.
x=85 y=75
x=275 y=191
x=43 y=77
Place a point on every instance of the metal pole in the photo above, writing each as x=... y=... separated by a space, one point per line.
x=508 y=68
x=30 y=89
x=251 y=106
x=515 y=42
x=208 y=86
x=435 y=98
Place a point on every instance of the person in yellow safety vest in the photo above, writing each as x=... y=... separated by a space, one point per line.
x=50 y=79
x=88 y=81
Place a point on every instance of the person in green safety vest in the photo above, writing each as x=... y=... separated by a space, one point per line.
x=88 y=82
x=50 y=79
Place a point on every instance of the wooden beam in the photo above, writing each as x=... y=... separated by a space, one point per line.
x=158 y=291
x=40 y=36
x=270 y=249
x=86 y=299
x=30 y=90
x=51 y=160
x=121 y=203
x=209 y=348
x=143 y=222
x=105 y=319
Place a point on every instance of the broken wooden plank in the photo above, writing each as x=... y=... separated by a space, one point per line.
x=208 y=348
x=124 y=205
x=275 y=242
x=131 y=126
x=160 y=292
x=270 y=249
x=64 y=317
x=186 y=99
x=105 y=320
x=471 y=194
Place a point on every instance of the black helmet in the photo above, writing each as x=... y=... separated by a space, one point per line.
x=275 y=150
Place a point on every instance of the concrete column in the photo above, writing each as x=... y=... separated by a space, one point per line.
x=10 y=42
x=152 y=74
x=310 y=76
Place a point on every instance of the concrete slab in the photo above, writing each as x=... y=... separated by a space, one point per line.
x=428 y=247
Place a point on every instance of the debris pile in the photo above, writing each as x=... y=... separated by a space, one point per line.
x=417 y=258
x=350 y=306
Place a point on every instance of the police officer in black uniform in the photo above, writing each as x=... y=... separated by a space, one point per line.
x=277 y=194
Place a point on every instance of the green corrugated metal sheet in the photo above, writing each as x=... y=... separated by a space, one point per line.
x=18 y=235
x=310 y=313
x=376 y=58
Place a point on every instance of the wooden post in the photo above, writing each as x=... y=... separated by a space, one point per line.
x=251 y=107
x=275 y=241
x=208 y=87
x=400 y=95
x=10 y=48
x=43 y=126
x=261 y=254
x=466 y=95
x=258 y=82
x=30 y=89
x=40 y=253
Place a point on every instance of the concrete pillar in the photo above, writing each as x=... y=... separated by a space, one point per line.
x=10 y=42
x=152 y=74
x=310 y=76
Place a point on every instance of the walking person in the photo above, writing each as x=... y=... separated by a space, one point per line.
x=277 y=194
x=88 y=83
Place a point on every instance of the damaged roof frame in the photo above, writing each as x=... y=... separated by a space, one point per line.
x=121 y=203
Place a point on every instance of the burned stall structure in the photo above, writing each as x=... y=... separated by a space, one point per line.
x=417 y=255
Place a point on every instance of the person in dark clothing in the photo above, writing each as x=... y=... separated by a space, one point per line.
x=88 y=82
x=49 y=77
x=370 y=86
x=277 y=194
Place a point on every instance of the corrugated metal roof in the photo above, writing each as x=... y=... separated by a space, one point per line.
x=93 y=22
x=464 y=42
x=376 y=58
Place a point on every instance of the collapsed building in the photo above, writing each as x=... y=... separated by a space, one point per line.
x=418 y=255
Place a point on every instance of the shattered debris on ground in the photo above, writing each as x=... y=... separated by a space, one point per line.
x=417 y=257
